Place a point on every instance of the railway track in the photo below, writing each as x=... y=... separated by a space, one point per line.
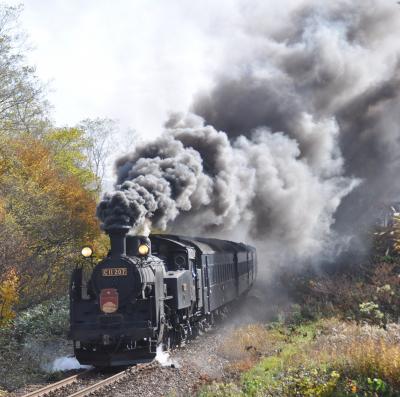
x=61 y=387
x=58 y=385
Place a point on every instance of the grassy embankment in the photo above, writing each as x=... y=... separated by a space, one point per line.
x=341 y=337
x=321 y=358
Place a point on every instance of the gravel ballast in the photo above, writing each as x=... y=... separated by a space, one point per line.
x=193 y=365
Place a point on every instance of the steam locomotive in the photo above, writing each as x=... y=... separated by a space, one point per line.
x=153 y=290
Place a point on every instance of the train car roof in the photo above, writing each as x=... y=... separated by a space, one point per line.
x=186 y=241
x=206 y=245
x=170 y=238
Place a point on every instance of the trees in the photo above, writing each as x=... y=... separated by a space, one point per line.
x=22 y=103
x=104 y=141
x=48 y=214
x=50 y=179
x=8 y=296
x=47 y=188
x=100 y=134
x=69 y=147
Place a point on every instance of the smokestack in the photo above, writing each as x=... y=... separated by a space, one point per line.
x=117 y=238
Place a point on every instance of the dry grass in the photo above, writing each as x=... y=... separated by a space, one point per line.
x=312 y=358
x=246 y=345
x=365 y=350
x=251 y=342
x=236 y=368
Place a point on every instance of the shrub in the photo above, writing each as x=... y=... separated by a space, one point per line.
x=45 y=320
x=30 y=342
x=370 y=311
x=303 y=381
x=348 y=293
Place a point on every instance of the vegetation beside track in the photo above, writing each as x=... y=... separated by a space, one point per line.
x=338 y=336
x=30 y=342
x=319 y=358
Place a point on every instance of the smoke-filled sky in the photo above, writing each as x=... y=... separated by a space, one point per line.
x=293 y=145
x=286 y=115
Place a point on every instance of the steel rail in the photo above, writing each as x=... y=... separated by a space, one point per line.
x=112 y=379
x=58 y=385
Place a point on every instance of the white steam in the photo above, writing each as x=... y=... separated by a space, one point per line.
x=164 y=358
x=296 y=141
x=66 y=363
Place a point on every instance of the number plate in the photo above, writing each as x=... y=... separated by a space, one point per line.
x=114 y=271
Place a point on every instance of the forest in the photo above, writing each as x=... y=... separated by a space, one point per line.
x=50 y=179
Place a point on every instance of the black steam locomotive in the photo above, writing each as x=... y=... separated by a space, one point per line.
x=149 y=291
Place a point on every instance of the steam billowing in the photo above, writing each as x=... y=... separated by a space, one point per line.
x=295 y=142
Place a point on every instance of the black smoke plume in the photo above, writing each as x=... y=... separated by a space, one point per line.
x=294 y=145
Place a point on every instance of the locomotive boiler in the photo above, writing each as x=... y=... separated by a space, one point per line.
x=160 y=289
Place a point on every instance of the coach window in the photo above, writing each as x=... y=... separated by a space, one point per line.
x=226 y=271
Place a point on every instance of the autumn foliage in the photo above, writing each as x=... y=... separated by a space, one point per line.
x=8 y=296
x=48 y=186
x=47 y=212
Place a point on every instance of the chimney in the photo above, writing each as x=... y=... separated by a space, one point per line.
x=117 y=238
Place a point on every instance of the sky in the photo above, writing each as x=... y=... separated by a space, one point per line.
x=134 y=61
x=320 y=79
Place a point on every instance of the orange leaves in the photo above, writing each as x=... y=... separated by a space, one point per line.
x=8 y=296
x=46 y=214
x=2 y=210
x=63 y=189
x=36 y=162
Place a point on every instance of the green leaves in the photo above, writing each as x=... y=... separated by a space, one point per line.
x=22 y=103
x=68 y=146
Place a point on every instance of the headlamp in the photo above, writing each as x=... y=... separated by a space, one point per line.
x=87 y=252
x=143 y=249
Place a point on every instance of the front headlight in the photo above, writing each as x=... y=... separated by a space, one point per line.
x=143 y=249
x=87 y=252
